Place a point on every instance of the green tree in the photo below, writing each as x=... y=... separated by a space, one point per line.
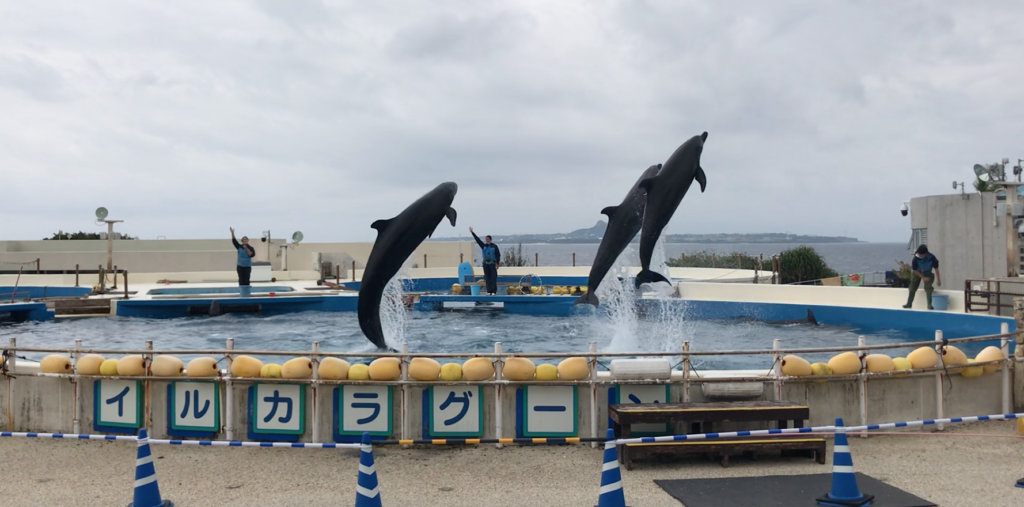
x=803 y=264
x=514 y=257
x=61 y=235
x=706 y=259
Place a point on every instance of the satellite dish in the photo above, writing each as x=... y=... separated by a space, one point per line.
x=101 y=213
x=297 y=237
x=982 y=172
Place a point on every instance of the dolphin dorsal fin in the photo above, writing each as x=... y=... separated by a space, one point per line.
x=610 y=211
x=451 y=214
x=646 y=184
x=381 y=225
x=701 y=178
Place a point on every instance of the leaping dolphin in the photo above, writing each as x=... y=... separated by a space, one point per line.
x=664 y=193
x=624 y=222
x=397 y=238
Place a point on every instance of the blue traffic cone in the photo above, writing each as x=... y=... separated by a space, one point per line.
x=611 y=480
x=367 y=490
x=147 y=493
x=844 y=484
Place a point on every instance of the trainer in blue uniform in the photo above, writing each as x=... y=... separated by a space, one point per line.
x=922 y=266
x=245 y=255
x=492 y=258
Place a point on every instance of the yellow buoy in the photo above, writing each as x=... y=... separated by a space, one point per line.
x=359 y=372
x=385 y=368
x=878 y=363
x=845 y=364
x=131 y=366
x=108 y=368
x=952 y=356
x=818 y=369
x=556 y=290
x=452 y=372
x=424 y=369
x=1020 y=426
x=456 y=288
x=518 y=368
x=972 y=371
x=987 y=354
x=332 y=368
x=534 y=289
x=923 y=357
x=270 y=370
x=202 y=367
x=900 y=364
x=583 y=289
x=167 y=366
x=246 y=367
x=795 y=366
x=574 y=368
x=55 y=363
x=477 y=369
x=547 y=372
x=89 y=364
x=300 y=367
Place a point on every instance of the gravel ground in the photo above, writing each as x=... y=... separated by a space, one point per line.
x=954 y=470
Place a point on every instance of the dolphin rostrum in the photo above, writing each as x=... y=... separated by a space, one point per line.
x=397 y=238
x=624 y=223
x=664 y=193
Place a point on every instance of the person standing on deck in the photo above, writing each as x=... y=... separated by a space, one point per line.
x=245 y=255
x=922 y=266
x=492 y=258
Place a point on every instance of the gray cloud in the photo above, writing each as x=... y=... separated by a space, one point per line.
x=325 y=116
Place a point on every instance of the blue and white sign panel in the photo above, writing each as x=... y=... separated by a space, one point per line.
x=549 y=411
x=117 y=405
x=640 y=393
x=278 y=409
x=195 y=406
x=364 y=409
x=455 y=411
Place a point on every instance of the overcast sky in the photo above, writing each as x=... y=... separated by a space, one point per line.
x=184 y=118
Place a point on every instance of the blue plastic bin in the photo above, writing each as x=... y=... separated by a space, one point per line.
x=940 y=301
x=474 y=289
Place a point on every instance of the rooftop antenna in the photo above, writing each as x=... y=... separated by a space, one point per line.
x=961 y=185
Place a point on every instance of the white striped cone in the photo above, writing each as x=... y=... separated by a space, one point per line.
x=147 y=492
x=367 y=489
x=844 y=491
x=611 y=494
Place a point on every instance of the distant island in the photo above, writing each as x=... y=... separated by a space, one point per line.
x=594 y=234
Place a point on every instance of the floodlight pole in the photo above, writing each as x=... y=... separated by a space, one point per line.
x=110 y=245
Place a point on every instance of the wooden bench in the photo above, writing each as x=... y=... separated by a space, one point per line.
x=702 y=417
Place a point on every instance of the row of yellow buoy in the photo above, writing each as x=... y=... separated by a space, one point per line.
x=848 y=363
x=330 y=368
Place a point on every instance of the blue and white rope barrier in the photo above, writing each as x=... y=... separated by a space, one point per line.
x=70 y=436
x=226 y=443
x=817 y=429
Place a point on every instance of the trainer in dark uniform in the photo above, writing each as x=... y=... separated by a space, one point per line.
x=922 y=266
x=245 y=255
x=492 y=258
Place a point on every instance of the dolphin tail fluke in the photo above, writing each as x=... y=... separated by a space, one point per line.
x=588 y=299
x=648 y=276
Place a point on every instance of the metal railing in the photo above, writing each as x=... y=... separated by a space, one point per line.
x=983 y=296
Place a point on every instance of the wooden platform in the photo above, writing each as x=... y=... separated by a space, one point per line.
x=703 y=416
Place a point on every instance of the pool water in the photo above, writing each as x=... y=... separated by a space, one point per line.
x=470 y=331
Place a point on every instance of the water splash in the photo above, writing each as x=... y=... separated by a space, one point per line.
x=393 y=314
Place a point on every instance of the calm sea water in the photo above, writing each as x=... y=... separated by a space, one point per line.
x=845 y=258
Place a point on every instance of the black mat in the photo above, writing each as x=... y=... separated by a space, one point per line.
x=779 y=491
